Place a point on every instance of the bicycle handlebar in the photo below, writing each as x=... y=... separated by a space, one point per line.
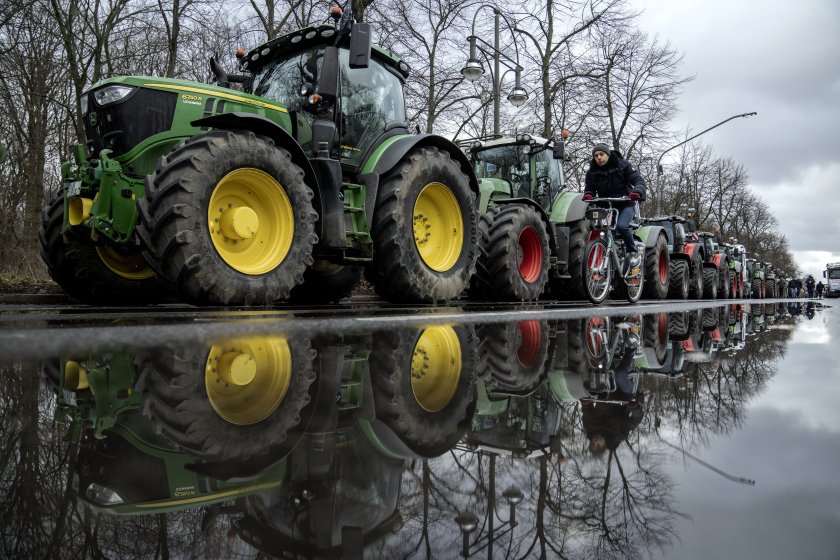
x=617 y=199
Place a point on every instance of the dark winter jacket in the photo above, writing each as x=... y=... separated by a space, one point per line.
x=616 y=178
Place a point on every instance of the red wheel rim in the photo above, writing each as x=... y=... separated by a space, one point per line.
x=530 y=267
x=594 y=339
x=663 y=270
x=596 y=259
x=662 y=327
x=529 y=348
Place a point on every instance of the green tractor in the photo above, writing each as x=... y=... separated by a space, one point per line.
x=757 y=284
x=288 y=187
x=533 y=227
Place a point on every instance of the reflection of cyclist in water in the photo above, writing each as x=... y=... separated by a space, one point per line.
x=611 y=416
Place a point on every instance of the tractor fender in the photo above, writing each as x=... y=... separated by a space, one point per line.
x=568 y=207
x=649 y=234
x=691 y=248
x=392 y=150
x=266 y=127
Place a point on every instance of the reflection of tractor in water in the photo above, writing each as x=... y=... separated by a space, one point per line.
x=284 y=189
x=314 y=431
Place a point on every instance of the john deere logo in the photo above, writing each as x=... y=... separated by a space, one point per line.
x=191 y=99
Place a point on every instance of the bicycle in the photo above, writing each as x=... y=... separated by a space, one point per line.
x=603 y=263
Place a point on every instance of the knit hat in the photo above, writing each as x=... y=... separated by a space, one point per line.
x=601 y=148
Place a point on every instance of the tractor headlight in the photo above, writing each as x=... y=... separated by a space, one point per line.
x=102 y=496
x=111 y=94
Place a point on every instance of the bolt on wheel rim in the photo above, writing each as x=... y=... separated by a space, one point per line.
x=438 y=227
x=251 y=221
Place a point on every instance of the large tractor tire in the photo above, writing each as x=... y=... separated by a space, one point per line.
x=96 y=274
x=695 y=285
x=572 y=287
x=679 y=279
x=710 y=283
x=513 y=263
x=237 y=400
x=724 y=282
x=423 y=384
x=325 y=282
x=597 y=270
x=755 y=290
x=228 y=220
x=678 y=325
x=515 y=354
x=425 y=230
x=657 y=260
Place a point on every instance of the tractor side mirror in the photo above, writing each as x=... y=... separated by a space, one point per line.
x=559 y=149
x=328 y=85
x=1 y=160
x=360 y=45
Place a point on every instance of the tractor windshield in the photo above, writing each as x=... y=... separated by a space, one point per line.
x=834 y=274
x=509 y=163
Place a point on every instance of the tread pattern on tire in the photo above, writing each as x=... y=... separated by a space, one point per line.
x=678 y=279
x=173 y=219
x=397 y=272
x=78 y=269
x=710 y=283
x=653 y=288
x=572 y=287
x=497 y=270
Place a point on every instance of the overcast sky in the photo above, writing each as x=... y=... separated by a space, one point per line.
x=781 y=59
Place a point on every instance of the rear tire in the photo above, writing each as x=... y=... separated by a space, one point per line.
x=679 y=279
x=710 y=283
x=724 y=282
x=80 y=270
x=657 y=261
x=513 y=264
x=695 y=286
x=419 y=257
x=597 y=271
x=228 y=220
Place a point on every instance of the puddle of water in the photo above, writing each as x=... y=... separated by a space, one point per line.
x=690 y=434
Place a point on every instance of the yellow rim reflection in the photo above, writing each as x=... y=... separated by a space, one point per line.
x=436 y=367
x=247 y=379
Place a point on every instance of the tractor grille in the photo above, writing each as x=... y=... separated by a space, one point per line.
x=121 y=126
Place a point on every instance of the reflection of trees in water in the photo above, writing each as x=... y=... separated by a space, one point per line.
x=41 y=517
x=615 y=506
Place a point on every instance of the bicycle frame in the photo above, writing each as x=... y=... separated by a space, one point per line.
x=603 y=221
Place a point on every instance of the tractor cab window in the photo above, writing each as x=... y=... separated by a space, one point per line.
x=371 y=98
x=549 y=177
x=507 y=163
x=834 y=274
x=282 y=80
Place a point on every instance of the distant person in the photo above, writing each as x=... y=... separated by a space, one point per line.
x=820 y=289
x=809 y=285
x=612 y=176
x=793 y=287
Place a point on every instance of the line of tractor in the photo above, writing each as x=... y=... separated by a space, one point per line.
x=293 y=179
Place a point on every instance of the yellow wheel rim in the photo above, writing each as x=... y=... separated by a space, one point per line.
x=435 y=368
x=438 y=227
x=247 y=379
x=251 y=221
x=128 y=265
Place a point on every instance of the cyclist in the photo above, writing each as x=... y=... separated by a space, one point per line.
x=609 y=176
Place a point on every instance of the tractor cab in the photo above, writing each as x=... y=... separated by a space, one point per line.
x=304 y=73
x=674 y=227
x=524 y=166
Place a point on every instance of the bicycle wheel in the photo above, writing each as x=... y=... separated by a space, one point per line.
x=597 y=270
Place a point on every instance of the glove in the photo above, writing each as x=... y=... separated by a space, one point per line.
x=587 y=197
x=634 y=196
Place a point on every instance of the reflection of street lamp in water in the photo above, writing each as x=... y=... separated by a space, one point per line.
x=467 y=521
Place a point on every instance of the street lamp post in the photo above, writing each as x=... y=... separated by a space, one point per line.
x=659 y=161
x=473 y=69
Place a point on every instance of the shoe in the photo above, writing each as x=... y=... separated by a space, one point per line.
x=633 y=263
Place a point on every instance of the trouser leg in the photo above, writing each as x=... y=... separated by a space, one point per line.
x=622 y=227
